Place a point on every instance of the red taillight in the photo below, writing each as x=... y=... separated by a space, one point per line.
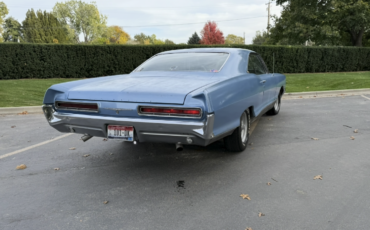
x=170 y=111
x=77 y=106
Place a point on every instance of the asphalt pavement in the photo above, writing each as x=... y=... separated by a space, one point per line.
x=113 y=185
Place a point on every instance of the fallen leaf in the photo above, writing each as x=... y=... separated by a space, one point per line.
x=21 y=167
x=355 y=131
x=13 y=126
x=314 y=96
x=307 y=87
x=352 y=138
x=248 y=229
x=72 y=148
x=56 y=169
x=250 y=143
x=245 y=196
x=315 y=139
x=23 y=113
x=268 y=183
x=269 y=119
x=86 y=155
x=318 y=177
x=106 y=202
x=105 y=139
x=260 y=214
x=111 y=153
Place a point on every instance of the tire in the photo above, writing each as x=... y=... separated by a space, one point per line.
x=238 y=140
x=276 y=109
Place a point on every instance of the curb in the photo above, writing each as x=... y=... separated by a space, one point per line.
x=318 y=94
x=19 y=110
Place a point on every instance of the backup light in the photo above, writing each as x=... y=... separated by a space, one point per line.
x=176 y=112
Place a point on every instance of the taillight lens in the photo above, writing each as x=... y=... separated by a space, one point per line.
x=91 y=107
x=177 y=112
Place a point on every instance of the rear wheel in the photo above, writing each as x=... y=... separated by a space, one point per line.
x=238 y=140
x=276 y=109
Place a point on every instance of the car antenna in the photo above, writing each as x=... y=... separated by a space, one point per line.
x=273 y=63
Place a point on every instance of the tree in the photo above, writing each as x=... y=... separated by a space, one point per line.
x=211 y=34
x=233 y=39
x=261 y=38
x=3 y=12
x=194 y=39
x=117 y=35
x=12 y=30
x=43 y=27
x=168 y=42
x=141 y=38
x=82 y=18
x=353 y=17
x=326 y=22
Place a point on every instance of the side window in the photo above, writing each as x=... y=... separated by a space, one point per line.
x=263 y=63
x=255 y=65
x=252 y=64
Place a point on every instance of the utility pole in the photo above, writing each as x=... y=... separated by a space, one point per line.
x=268 y=17
x=244 y=38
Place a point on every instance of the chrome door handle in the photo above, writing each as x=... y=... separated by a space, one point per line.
x=263 y=81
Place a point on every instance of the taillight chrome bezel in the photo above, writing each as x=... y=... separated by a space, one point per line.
x=139 y=110
x=58 y=107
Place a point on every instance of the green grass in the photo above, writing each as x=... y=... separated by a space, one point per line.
x=327 y=81
x=31 y=92
x=27 y=92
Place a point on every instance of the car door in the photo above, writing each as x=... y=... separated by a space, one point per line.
x=257 y=82
x=270 y=82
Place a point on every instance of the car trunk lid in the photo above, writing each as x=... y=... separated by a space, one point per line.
x=142 y=88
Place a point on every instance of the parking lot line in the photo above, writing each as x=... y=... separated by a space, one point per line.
x=34 y=146
x=365 y=97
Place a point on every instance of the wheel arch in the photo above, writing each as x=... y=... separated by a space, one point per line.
x=282 y=91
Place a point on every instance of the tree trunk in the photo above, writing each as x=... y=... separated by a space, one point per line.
x=356 y=37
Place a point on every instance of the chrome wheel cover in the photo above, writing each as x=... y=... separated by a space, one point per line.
x=244 y=127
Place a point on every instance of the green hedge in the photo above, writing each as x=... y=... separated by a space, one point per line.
x=19 y=60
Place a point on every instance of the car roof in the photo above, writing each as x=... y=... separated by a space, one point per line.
x=208 y=50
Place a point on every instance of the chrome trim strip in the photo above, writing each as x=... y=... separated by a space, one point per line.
x=224 y=62
x=83 y=127
x=74 y=109
x=166 y=134
x=169 y=115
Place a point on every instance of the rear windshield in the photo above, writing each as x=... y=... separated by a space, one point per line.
x=200 y=62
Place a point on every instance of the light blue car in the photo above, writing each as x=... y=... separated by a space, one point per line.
x=184 y=97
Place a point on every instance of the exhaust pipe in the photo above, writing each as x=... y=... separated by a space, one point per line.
x=179 y=146
x=86 y=137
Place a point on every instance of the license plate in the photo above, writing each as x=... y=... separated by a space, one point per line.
x=125 y=133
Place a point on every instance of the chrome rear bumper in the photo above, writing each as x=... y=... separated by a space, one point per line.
x=146 y=129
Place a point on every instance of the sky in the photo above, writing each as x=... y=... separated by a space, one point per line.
x=164 y=17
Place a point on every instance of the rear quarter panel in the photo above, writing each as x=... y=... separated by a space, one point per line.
x=228 y=99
